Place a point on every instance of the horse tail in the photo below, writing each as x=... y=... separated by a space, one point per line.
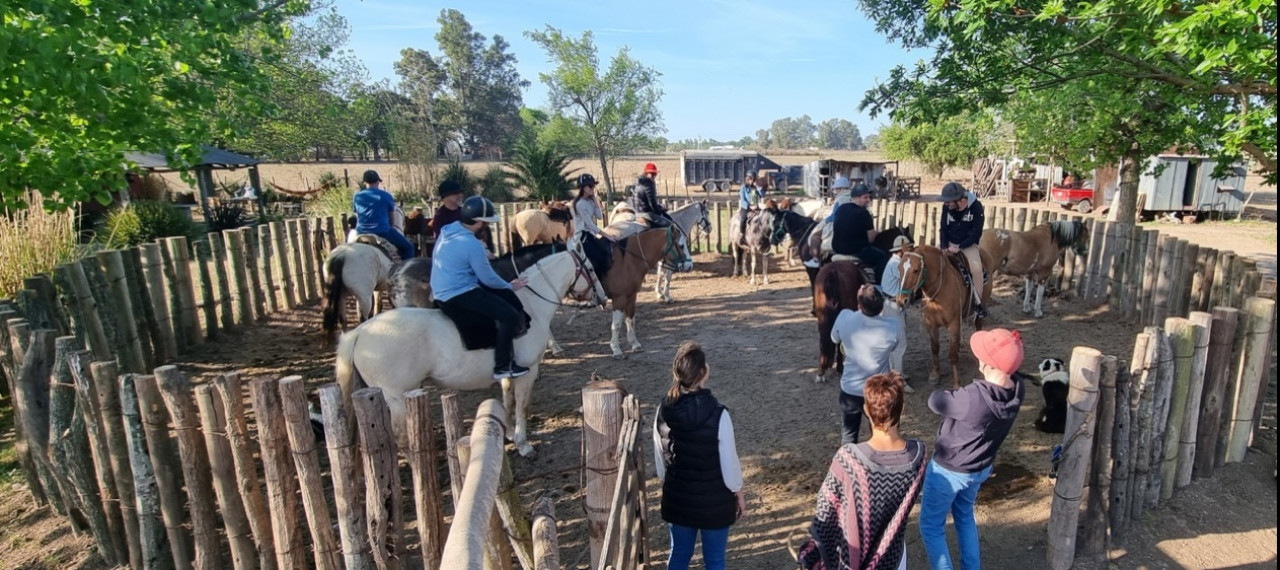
x=349 y=378
x=332 y=308
x=826 y=306
x=517 y=242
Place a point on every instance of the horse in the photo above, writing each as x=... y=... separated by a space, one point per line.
x=764 y=230
x=1033 y=253
x=835 y=289
x=355 y=269
x=552 y=222
x=948 y=300
x=400 y=350
x=634 y=257
x=797 y=228
x=807 y=253
x=686 y=217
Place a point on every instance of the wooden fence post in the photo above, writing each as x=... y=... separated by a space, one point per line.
x=423 y=458
x=144 y=310
x=1096 y=237
x=166 y=465
x=381 y=478
x=33 y=353
x=282 y=484
x=1095 y=538
x=69 y=448
x=253 y=250
x=1182 y=337
x=1221 y=335
x=122 y=304
x=279 y=235
x=101 y=292
x=601 y=425
x=153 y=273
x=176 y=391
x=1201 y=325
x=204 y=259
x=156 y=550
x=1257 y=346
x=218 y=248
x=302 y=441
x=1202 y=282
x=181 y=256
x=87 y=404
x=515 y=520
x=1163 y=281
x=1121 y=455
x=301 y=286
x=451 y=416
x=213 y=422
x=240 y=276
x=1160 y=416
x=104 y=375
x=1143 y=372
x=546 y=545
x=465 y=546
x=309 y=274
x=1217 y=292
x=246 y=466
x=719 y=214
x=75 y=285
x=266 y=252
x=1077 y=448
x=348 y=478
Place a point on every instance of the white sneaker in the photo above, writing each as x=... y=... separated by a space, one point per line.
x=812 y=264
x=907 y=388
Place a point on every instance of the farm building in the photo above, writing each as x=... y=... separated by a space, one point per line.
x=1186 y=184
x=819 y=174
x=721 y=169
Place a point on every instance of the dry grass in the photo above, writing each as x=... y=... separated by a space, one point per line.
x=33 y=241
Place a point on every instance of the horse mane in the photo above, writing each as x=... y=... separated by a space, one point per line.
x=1066 y=232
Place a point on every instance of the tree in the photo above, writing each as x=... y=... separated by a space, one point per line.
x=838 y=134
x=792 y=133
x=951 y=142
x=482 y=84
x=84 y=82
x=618 y=107
x=764 y=139
x=872 y=142
x=1199 y=75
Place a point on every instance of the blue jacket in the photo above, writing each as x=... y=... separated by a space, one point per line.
x=460 y=264
x=373 y=210
x=745 y=196
x=963 y=228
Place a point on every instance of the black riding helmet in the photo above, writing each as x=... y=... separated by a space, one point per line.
x=449 y=187
x=586 y=179
x=478 y=209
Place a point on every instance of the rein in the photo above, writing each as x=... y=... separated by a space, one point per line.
x=579 y=271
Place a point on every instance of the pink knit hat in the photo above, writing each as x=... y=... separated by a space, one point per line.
x=998 y=348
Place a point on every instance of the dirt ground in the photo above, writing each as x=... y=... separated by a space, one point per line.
x=761 y=346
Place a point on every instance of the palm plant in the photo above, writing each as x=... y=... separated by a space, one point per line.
x=541 y=170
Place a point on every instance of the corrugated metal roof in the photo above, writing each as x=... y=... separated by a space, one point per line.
x=214 y=157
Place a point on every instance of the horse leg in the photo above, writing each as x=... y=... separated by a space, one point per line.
x=733 y=249
x=523 y=388
x=1040 y=300
x=764 y=262
x=933 y=349
x=631 y=329
x=752 y=280
x=953 y=352
x=553 y=347
x=509 y=404
x=616 y=329
x=1026 y=295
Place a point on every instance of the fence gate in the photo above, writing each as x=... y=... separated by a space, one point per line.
x=626 y=539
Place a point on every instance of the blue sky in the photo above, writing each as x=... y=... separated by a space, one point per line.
x=728 y=67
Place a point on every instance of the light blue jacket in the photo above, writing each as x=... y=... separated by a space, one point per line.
x=460 y=263
x=891 y=281
x=745 y=197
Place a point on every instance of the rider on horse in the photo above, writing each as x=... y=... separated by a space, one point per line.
x=461 y=278
x=749 y=198
x=854 y=231
x=374 y=207
x=646 y=202
x=962 y=220
x=586 y=210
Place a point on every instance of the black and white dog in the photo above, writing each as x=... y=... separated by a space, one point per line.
x=1054 y=383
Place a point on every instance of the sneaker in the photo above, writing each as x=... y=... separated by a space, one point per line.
x=907 y=388
x=811 y=263
x=980 y=311
x=513 y=371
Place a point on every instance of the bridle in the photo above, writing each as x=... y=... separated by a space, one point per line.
x=924 y=273
x=581 y=270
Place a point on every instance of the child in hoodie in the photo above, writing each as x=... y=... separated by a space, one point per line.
x=975 y=421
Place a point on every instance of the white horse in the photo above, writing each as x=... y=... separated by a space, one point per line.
x=352 y=269
x=687 y=217
x=399 y=350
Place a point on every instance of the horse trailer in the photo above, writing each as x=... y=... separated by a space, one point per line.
x=721 y=170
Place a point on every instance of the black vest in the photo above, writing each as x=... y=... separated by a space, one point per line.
x=693 y=491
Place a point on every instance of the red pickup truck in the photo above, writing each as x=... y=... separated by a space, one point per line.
x=1078 y=199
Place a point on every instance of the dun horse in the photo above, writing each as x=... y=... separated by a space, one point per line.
x=553 y=222
x=948 y=300
x=1033 y=253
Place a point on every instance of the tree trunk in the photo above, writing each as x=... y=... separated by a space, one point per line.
x=1130 y=173
x=604 y=173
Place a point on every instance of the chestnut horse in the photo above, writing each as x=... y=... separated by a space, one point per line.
x=1033 y=253
x=835 y=289
x=948 y=300
x=633 y=257
x=552 y=222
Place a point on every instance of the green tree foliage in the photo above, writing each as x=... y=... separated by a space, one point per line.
x=541 y=170
x=764 y=139
x=838 y=134
x=83 y=82
x=496 y=185
x=791 y=133
x=617 y=107
x=144 y=221
x=1195 y=74
x=872 y=142
x=953 y=141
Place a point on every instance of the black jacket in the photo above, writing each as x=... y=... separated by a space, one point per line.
x=693 y=491
x=645 y=199
x=962 y=228
x=850 y=225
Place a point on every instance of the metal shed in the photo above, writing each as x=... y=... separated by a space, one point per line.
x=721 y=169
x=1185 y=183
x=819 y=174
x=211 y=159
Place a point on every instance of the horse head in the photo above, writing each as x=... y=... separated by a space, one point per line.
x=585 y=269
x=676 y=252
x=914 y=274
x=704 y=217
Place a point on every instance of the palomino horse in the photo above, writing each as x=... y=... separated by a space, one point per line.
x=948 y=300
x=1033 y=253
x=355 y=269
x=687 y=218
x=634 y=257
x=764 y=230
x=552 y=222
x=835 y=289
x=400 y=350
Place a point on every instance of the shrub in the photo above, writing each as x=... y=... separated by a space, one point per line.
x=329 y=180
x=496 y=185
x=541 y=170
x=34 y=241
x=227 y=216
x=144 y=221
x=457 y=172
x=332 y=202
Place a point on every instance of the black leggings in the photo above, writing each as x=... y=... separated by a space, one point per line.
x=504 y=308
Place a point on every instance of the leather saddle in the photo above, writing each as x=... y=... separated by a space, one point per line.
x=382 y=244
x=478 y=332
x=868 y=271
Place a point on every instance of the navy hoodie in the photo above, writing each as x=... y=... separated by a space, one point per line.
x=975 y=421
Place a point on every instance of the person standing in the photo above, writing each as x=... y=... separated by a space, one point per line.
x=696 y=458
x=890 y=286
x=864 y=501
x=975 y=421
x=867 y=339
x=374 y=208
x=962 y=219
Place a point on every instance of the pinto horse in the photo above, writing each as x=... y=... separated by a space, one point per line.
x=687 y=218
x=633 y=258
x=948 y=299
x=352 y=269
x=553 y=222
x=1033 y=253
x=764 y=230
x=400 y=350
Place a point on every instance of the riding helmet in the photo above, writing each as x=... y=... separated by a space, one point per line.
x=751 y=174
x=586 y=179
x=952 y=191
x=371 y=177
x=449 y=187
x=478 y=209
x=859 y=189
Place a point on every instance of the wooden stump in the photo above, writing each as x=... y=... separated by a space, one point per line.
x=381 y=478
x=178 y=397
x=1259 y=321
x=1143 y=373
x=602 y=422
x=1121 y=455
x=348 y=478
x=546 y=545
x=1221 y=336
x=282 y=483
x=1160 y=417
x=1182 y=337
x=1095 y=536
x=1077 y=448
x=1202 y=323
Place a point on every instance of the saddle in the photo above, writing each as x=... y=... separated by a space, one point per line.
x=959 y=262
x=478 y=332
x=868 y=272
x=382 y=244
x=599 y=252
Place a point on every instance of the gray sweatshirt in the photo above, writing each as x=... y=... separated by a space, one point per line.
x=975 y=421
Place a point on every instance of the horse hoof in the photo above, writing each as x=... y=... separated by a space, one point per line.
x=619 y=356
x=526 y=450
x=637 y=349
x=819 y=379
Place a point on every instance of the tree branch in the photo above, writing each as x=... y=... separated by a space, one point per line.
x=1267 y=163
x=260 y=12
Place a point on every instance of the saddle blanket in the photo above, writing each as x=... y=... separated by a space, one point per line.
x=620 y=230
x=382 y=244
x=478 y=332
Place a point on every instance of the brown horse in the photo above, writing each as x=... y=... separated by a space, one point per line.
x=948 y=301
x=551 y=223
x=634 y=257
x=835 y=289
x=1033 y=253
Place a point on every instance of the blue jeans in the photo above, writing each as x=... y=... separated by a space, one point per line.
x=946 y=490
x=714 y=544
x=403 y=245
